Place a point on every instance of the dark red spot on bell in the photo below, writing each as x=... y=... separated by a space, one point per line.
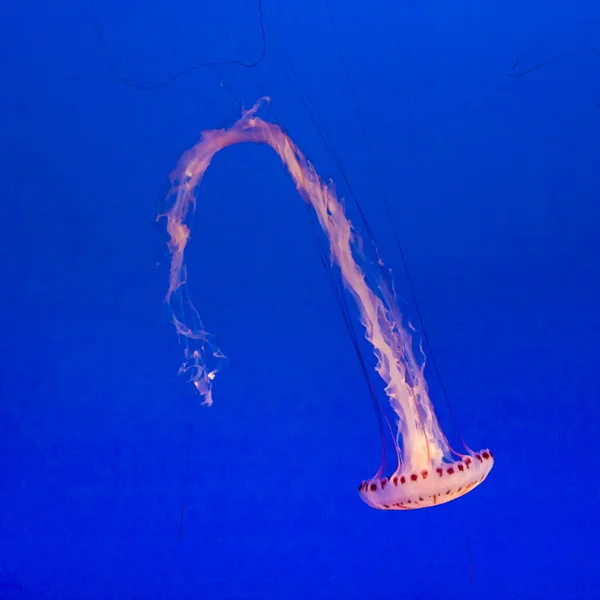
x=460 y=467
x=414 y=477
x=373 y=487
x=383 y=483
x=424 y=474
x=468 y=462
x=450 y=470
x=421 y=499
x=403 y=480
x=485 y=455
x=395 y=480
x=386 y=506
x=440 y=471
x=479 y=458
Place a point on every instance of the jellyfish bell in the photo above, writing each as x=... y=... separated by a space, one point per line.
x=442 y=482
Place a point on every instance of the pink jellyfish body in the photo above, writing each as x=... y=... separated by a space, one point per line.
x=429 y=472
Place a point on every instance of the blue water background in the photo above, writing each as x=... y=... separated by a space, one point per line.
x=493 y=183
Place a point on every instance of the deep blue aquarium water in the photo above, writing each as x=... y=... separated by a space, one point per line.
x=467 y=134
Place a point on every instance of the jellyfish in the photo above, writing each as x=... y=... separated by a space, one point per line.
x=428 y=471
